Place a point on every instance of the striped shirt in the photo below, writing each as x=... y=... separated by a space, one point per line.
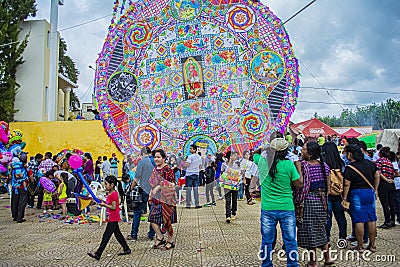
x=385 y=167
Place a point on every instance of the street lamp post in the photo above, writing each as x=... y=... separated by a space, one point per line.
x=53 y=66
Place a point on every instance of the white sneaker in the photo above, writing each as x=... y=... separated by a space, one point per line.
x=44 y=211
x=397 y=223
x=50 y=210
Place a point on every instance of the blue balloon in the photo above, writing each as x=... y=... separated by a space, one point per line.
x=79 y=172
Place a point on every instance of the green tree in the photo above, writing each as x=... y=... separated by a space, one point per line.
x=385 y=115
x=12 y=13
x=67 y=67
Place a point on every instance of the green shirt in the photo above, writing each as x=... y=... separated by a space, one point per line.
x=321 y=140
x=277 y=194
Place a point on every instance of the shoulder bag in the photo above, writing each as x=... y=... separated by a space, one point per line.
x=345 y=203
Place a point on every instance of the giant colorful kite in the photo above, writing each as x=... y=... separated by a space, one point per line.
x=217 y=73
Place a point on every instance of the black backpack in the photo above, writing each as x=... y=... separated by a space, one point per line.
x=134 y=197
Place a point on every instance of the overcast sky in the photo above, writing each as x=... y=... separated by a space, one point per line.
x=340 y=44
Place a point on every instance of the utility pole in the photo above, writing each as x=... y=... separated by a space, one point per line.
x=53 y=66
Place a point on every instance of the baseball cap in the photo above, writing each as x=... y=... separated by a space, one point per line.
x=279 y=144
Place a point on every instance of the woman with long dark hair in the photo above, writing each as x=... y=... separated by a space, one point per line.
x=277 y=199
x=311 y=227
x=360 y=184
x=331 y=156
x=163 y=200
x=88 y=169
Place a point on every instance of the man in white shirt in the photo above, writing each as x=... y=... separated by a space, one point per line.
x=194 y=163
x=376 y=154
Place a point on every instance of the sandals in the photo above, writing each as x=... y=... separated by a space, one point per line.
x=161 y=243
x=361 y=250
x=166 y=247
x=371 y=248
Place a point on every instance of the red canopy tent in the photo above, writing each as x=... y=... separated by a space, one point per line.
x=351 y=133
x=312 y=128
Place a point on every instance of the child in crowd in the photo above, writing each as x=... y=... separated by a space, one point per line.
x=210 y=181
x=112 y=227
x=123 y=188
x=62 y=192
x=85 y=192
x=47 y=201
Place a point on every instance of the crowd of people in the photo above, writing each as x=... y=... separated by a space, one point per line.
x=302 y=184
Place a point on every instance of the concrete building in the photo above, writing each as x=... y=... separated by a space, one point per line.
x=87 y=113
x=32 y=100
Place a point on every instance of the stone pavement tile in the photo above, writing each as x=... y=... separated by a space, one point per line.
x=245 y=260
x=6 y=263
x=148 y=262
x=183 y=262
x=221 y=261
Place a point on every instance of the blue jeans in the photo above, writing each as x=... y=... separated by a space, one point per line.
x=136 y=218
x=335 y=207
x=241 y=191
x=114 y=171
x=97 y=177
x=287 y=221
x=192 y=181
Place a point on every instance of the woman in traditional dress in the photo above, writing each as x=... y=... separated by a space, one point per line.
x=162 y=199
x=311 y=232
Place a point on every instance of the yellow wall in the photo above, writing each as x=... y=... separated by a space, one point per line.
x=88 y=136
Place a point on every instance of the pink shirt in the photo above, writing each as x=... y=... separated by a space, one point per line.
x=113 y=214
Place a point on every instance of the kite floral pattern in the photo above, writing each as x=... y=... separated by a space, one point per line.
x=217 y=73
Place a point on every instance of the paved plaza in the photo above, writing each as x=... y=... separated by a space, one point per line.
x=203 y=238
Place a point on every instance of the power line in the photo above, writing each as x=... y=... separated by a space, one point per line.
x=84 y=23
x=331 y=103
x=350 y=90
x=322 y=86
x=298 y=12
x=64 y=29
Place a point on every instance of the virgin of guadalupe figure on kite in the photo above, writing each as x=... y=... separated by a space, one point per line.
x=193 y=75
x=227 y=63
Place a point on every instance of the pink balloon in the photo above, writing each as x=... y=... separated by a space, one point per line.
x=75 y=161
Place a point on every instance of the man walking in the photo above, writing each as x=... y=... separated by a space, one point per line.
x=105 y=167
x=97 y=175
x=114 y=165
x=144 y=170
x=194 y=163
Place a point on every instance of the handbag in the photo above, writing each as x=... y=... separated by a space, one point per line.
x=299 y=211
x=345 y=204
